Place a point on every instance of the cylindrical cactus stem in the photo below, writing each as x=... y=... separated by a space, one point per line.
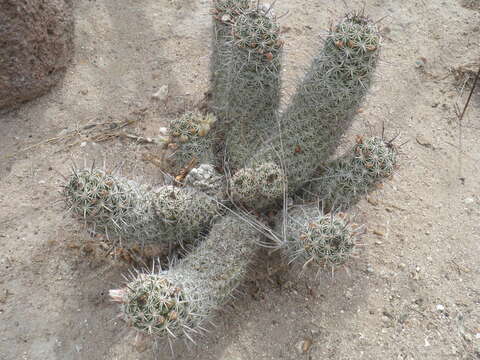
x=346 y=179
x=224 y=14
x=132 y=214
x=254 y=87
x=325 y=101
x=176 y=303
x=312 y=237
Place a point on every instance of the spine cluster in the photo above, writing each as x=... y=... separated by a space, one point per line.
x=312 y=237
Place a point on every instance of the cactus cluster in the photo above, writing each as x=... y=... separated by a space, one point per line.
x=270 y=156
x=348 y=178
x=325 y=101
x=177 y=302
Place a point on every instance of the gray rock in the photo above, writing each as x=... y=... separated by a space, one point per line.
x=35 y=47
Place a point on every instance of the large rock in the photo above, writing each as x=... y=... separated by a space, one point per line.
x=35 y=47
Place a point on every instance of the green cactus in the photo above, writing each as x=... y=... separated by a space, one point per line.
x=224 y=13
x=325 y=101
x=192 y=137
x=346 y=179
x=253 y=95
x=135 y=215
x=312 y=237
x=176 y=303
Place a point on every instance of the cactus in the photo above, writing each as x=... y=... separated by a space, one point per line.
x=325 y=101
x=224 y=13
x=346 y=179
x=312 y=237
x=246 y=189
x=184 y=212
x=191 y=138
x=112 y=205
x=132 y=213
x=253 y=95
x=245 y=67
x=176 y=303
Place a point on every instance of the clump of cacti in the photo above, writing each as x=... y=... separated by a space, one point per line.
x=270 y=157
x=191 y=139
x=344 y=180
x=312 y=237
x=177 y=302
x=325 y=101
x=133 y=214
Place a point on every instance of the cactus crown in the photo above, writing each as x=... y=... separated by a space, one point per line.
x=344 y=180
x=321 y=239
x=356 y=35
x=153 y=305
x=258 y=187
x=257 y=32
x=225 y=11
x=375 y=156
x=112 y=204
x=191 y=133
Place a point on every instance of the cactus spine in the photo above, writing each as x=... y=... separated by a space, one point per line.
x=135 y=215
x=253 y=95
x=176 y=302
x=325 y=101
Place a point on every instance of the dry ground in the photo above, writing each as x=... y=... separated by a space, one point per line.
x=414 y=293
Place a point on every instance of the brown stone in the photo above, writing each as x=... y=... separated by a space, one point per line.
x=35 y=47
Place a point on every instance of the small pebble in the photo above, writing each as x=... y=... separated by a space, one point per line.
x=161 y=94
x=469 y=200
x=440 y=307
x=304 y=346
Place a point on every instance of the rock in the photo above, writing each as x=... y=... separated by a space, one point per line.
x=304 y=346
x=161 y=94
x=35 y=47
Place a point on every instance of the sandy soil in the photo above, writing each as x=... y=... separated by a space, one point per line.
x=414 y=293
